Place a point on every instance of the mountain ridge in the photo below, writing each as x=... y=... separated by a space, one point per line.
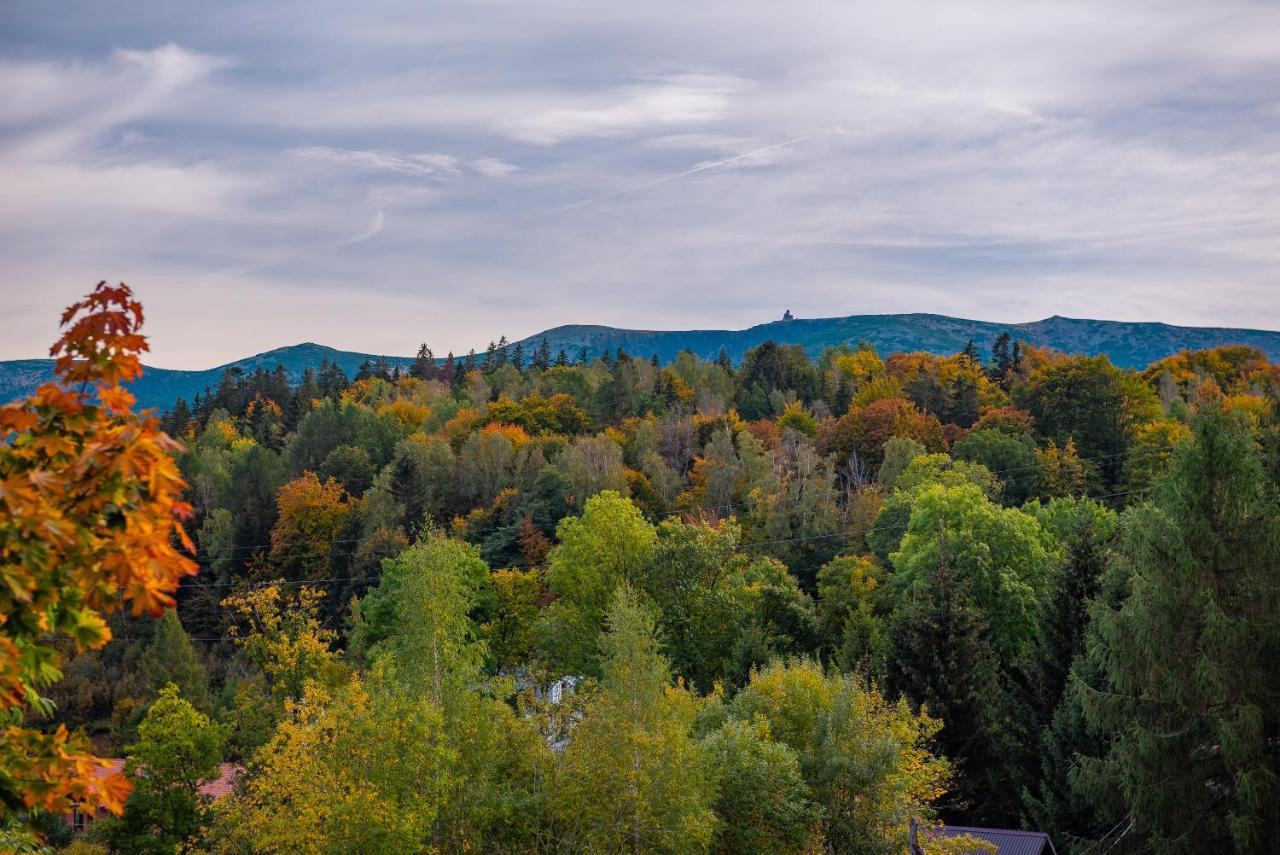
x=1127 y=343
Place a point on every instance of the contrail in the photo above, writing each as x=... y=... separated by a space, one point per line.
x=678 y=175
x=373 y=229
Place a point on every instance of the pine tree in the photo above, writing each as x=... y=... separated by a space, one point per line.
x=562 y=359
x=1192 y=703
x=517 y=356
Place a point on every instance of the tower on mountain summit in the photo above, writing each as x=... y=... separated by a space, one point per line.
x=787 y=316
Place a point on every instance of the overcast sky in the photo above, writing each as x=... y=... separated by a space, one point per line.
x=373 y=175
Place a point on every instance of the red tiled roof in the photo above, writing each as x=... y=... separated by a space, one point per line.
x=223 y=785
x=215 y=788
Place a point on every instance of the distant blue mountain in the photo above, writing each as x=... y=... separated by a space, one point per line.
x=1127 y=344
x=160 y=387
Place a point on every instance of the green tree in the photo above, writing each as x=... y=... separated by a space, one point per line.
x=421 y=614
x=632 y=778
x=1001 y=552
x=969 y=577
x=170 y=658
x=1011 y=459
x=763 y=801
x=850 y=613
x=360 y=767
x=178 y=749
x=1191 y=705
x=610 y=543
x=1094 y=403
x=944 y=661
x=695 y=580
x=898 y=452
x=351 y=466
x=867 y=761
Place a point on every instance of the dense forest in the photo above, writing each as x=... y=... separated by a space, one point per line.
x=524 y=602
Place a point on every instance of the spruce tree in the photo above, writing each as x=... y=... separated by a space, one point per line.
x=1191 y=703
x=943 y=661
x=542 y=356
x=424 y=364
x=1001 y=359
x=170 y=658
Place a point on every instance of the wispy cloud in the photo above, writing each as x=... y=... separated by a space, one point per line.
x=374 y=228
x=998 y=159
x=756 y=157
x=420 y=165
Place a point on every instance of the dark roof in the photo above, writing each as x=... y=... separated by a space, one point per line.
x=1007 y=841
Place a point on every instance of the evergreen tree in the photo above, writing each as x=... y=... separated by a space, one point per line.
x=942 y=660
x=175 y=421
x=962 y=403
x=424 y=364
x=170 y=658
x=1192 y=703
x=1001 y=359
x=517 y=356
x=542 y=356
x=562 y=358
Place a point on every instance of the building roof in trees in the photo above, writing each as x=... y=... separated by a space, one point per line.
x=1007 y=841
x=215 y=788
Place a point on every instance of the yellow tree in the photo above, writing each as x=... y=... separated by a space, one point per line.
x=90 y=520
x=357 y=768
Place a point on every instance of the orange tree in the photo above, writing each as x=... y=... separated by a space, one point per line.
x=90 y=521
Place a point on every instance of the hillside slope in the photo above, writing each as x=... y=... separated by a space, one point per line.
x=1126 y=343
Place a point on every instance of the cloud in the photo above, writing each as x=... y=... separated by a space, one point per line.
x=374 y=228
x=420 y=165
x=492 y=167
x=58 y=106
x=677 y=99
x=996 y=159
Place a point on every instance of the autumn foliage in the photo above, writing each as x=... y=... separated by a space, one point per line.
x=90 y=520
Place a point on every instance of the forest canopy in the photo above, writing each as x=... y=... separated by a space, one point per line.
x=523 y=602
